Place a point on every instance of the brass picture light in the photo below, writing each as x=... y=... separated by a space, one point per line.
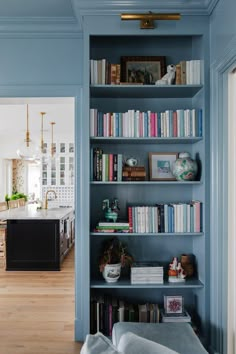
x=147 y=20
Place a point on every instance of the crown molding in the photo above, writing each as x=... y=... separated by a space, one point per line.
x=105 y=7
x=36 y=26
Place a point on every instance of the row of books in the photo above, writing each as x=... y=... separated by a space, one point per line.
x=133 y=173
x=105 y=167
x=146 y=273
x=188 y=72
x=103 y=72
x=106 y=310
x=135 y=124
x=166 y=218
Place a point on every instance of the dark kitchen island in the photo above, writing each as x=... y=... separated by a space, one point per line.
x=38 y=239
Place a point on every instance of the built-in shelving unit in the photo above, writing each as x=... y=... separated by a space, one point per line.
x=161 y=246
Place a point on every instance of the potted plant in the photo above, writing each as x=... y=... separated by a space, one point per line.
x=114 y=256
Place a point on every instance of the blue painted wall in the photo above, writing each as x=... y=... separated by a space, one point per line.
x=222 y=28
x=33 y=61
x=223 y=59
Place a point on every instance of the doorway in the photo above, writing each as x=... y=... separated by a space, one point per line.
x=30 y=178
x=9 y=152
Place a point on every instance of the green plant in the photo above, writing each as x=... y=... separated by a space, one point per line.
x=16 y=196
x=113 y=252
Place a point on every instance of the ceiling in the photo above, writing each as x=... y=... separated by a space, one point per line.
x=36 y=8
x=13 y=113
x=69 y=12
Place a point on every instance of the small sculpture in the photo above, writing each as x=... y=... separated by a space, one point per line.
x=176 y=273
x=168 y=78
x=111 y=209
x=132 y=161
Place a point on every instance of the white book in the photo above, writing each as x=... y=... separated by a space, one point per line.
x=137 y=124
x=188 y=72
x=178 y=123
x=95 y=72
x=91 y=71
x=103 y=80
x=92 y=118
x=188 y=218
x=193 y=122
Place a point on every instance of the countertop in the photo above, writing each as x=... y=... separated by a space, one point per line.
x=31 y=212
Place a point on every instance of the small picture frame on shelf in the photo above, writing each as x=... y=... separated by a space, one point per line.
x=160 y=166
x=173 y=304
x=144 y=70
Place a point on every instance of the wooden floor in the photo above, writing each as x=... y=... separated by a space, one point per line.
x=37 y=311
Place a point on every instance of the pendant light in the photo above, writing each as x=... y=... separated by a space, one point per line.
x=41 y=139
x=52 y=143
x=28 y=150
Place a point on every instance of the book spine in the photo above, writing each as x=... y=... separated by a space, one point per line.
x=115 y=167
x=113 y=74
x=110 y=167
x=178 y=75
x=119 y=167
x=130 y=218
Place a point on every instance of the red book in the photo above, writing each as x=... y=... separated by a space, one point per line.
x=152 y=124
x=141 y=125
x=175 y=134
x=110 y=320
x=130 y=218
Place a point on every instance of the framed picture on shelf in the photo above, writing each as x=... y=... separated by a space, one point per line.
x=173 y=304
x=160 y=164
x=144 y=70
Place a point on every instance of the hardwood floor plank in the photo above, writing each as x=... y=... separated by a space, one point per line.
x=37 y=311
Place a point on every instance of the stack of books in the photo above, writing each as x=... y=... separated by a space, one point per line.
x=146 y=273
x=175 y=317
x=133 y=173
x=106 y=226
x=103 y=72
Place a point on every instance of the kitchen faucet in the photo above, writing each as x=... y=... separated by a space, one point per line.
x=46 y=198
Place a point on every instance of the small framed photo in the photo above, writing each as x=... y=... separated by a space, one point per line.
x=142 y=70
x=173 y=304
x=160 y=166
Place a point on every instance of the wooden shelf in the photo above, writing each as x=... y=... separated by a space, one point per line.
x=160 y=234
x=148 y=183
x=144 y=91
x=146 y=140
x=188 y=284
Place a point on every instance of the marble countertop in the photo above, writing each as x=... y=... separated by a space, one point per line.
x=31 y=212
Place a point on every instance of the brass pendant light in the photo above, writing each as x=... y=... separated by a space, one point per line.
x=41 y=139
x=28 y=150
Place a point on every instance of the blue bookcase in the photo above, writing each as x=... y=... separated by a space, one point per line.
x=176 y=44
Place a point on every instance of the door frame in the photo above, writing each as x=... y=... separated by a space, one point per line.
x=219 y=201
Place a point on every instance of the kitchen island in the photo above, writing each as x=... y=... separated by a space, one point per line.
x=38 y=239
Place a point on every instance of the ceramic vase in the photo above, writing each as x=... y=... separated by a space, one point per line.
x=111 y=272
x=187 y=264
x=184 y=168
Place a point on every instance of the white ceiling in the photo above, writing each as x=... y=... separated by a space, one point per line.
x=13 y=116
